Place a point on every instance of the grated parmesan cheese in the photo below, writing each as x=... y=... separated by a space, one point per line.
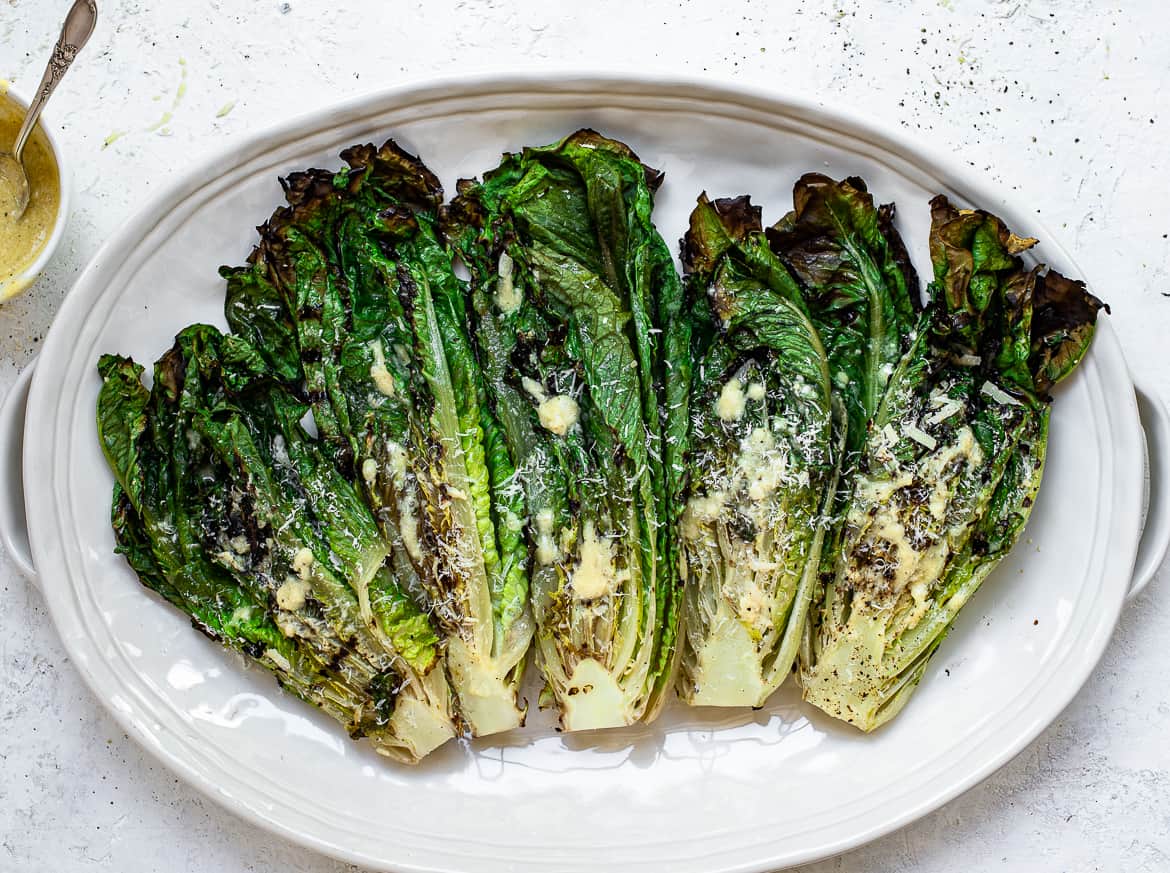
x=998 y=395
x=944 y=412
x=921 y=437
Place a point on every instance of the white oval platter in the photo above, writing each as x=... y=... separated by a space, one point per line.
x=697 y=790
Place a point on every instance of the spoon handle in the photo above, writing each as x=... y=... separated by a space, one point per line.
x=75 y=33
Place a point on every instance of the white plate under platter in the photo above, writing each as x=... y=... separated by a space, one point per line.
x=698 y=790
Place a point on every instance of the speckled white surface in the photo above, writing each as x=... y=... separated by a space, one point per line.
x=1066 y=101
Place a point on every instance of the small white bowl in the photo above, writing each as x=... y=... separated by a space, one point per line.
x=22 y=281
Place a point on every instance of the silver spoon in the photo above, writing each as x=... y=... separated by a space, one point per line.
x=75 y=32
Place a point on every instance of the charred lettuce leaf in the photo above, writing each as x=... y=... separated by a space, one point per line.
x=861 y=288
x=762 y=460
x=353 y=275
x=950 y=464
x=227 y=508
x=576 y=312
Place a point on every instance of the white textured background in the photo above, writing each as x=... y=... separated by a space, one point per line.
x=1066 y=101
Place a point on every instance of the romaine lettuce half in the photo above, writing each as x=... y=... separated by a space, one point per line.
x=352 y=298
x=949 y=467
x=576 y=320
x=227 y=508
x=763 y=458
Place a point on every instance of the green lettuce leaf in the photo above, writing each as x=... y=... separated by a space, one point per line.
x=862 y=289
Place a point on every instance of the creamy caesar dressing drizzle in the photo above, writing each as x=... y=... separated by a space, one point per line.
x=761 y=465
x=230 y=559
x=21 y=242
x=700 y=511
x=383 y=378
x=558 y=413
x=742 y=561
x=742 y=568
x=291 y=595
x=302 y=564
x=547 y=550
x=595 y=575
x=732 y=402
x=408 y=526
x=408 y=521
x=508 y=296
x=761 y=468
x=396 y=461
x=886 y=559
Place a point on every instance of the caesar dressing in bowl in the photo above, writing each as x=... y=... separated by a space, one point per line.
x=26 y=245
